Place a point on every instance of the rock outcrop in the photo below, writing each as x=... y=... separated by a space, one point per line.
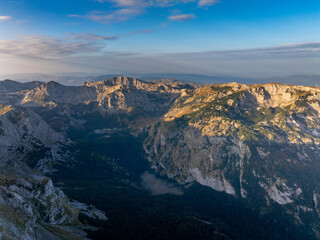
x=260 y=143
x=31 y=207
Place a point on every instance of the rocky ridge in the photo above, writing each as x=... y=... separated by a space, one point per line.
x=118 y=93
x=30 y=206
x=7 y=86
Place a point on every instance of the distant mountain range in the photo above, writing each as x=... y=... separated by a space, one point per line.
x=7 y=86
x=77 y=79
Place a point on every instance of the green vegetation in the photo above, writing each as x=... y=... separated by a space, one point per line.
x=219 y=88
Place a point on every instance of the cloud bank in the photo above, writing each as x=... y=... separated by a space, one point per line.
x=295 y=50
x=48 y=47
x=89 y=52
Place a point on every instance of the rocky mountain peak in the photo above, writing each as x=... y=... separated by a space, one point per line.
x=53 y=84
x=123 y=80
x=119 y=81
x=280 y=95
x=7 y=86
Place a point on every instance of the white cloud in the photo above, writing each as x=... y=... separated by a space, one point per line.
x=145 y=3
x=127 y=9
x=48 y=47
x=136 y=4
x=205 y=3
x=168 y=3
x=91 y=37
x=5 y=18
x=130 y=3
x=107 y=17
x=182 y=17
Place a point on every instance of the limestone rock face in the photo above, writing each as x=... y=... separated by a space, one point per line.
x=31 y=207
x=118 y=93
x=28 y=204
x=259 y=143
x=277 y=95
x=185 y=155
x=21 y=126
x=55 y=92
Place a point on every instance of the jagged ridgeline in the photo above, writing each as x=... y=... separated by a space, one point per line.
x=229 y=161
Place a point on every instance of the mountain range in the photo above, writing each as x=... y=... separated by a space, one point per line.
x=77 y=79
x=120 y=157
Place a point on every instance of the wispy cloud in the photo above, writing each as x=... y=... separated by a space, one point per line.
x=292 y=50
x=307 y=49
x=48 y=47
x=127 y=9
x=124 y=10
x=108 y=17
x=145 y=3
x=128 y=3
x=91 y=37
x=205 y=3
x=182 y=17
x=158 y=186
x=5 y=18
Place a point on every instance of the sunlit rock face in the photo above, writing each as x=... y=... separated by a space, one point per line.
x=118 y=93
x=252 y=142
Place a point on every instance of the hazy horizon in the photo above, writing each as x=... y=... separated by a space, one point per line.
x=77 y=79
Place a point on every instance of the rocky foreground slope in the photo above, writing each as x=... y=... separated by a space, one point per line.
x=30 y=206
x=259 y=143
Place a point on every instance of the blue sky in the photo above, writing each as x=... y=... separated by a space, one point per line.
x=146 y=36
